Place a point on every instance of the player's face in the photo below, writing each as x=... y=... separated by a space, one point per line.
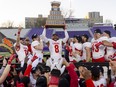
x=22 y=42
x=27 y=41
x=97 y=35
x=55 y=37
x=74 y=40
x=83 y=38
x=38 y=73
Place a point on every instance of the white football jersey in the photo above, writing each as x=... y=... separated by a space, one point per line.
x=110 y=50
x=86 y=44
x=99 y=83
x=38 y=53
x=22 y=52
x=100 y=51
x=77 y=47
x=103 y=80
x=55 y=48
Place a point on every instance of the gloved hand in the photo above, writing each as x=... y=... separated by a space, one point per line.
x=11 y=58
x=64 y=28
x=34 y=58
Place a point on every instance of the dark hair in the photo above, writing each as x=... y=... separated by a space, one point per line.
x=98 y=31
x=101 y=69
x=63 y=83
x=55 y=72
x=78 y=38
x=22 y=38
x=67 y=77
x=41 y=81
x=40 y=67
x=34 y=69
x=95 y=73
x=25 y=80
x=86 y=36
x=34 y=36
x=54 y=34
x=108 y=32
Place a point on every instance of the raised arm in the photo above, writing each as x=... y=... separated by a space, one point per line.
x=43 y=36
x=18 y=39
x=6 y=70
x=18 y=36
x=66 y=36
x=29 y=67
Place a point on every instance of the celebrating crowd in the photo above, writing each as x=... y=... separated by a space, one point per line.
x=58 y=71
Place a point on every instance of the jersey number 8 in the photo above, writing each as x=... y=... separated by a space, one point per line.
x=56 y=48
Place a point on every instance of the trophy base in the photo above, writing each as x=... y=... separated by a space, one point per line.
x=55 y=26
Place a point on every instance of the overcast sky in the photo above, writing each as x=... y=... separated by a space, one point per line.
x=17 y=10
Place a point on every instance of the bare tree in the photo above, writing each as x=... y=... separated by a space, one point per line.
x=8 y=24
x=67 y=13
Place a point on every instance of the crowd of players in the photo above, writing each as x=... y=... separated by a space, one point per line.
x=57 y=71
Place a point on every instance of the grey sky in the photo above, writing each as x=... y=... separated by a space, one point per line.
x=17 y=10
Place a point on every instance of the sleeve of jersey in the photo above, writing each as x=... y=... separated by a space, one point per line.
x=89 y=83
x=35 y=43
x=88 y=45
x=66 y=36
x=113 y=39
x=73 y=75
x=28 y=70
x=103 y=39
x=43 y=36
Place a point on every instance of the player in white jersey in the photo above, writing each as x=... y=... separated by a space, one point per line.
x=86 y=54
x=37 y=48
x=20 y=48
x=76 y=49
x=98 y=46
x=55 y=47
x=110 y=51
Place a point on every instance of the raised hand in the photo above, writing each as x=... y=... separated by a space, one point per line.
x=64 y=27
x=11 y=58
x=19 y=29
